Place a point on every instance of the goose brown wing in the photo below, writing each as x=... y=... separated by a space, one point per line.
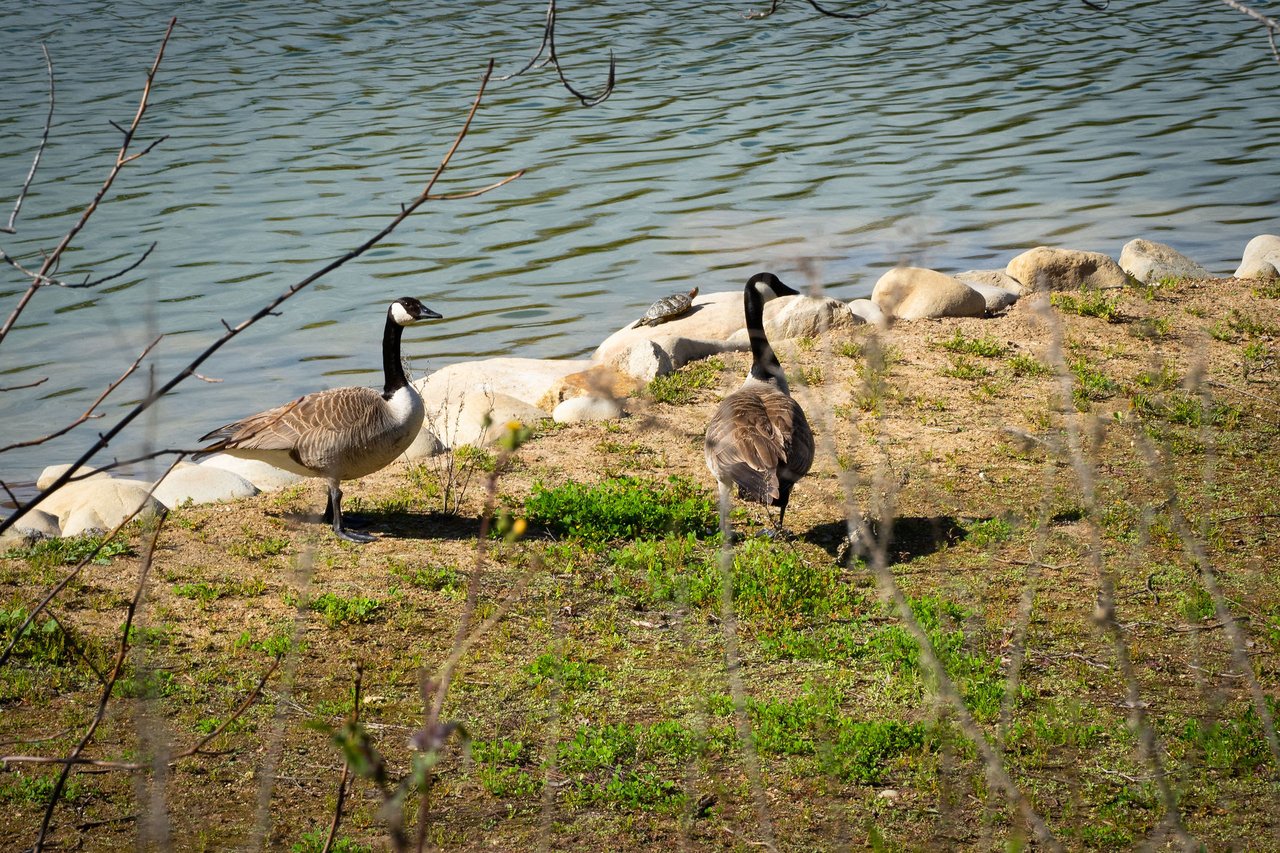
x=799 y=447
x=309 y=428
x=745 y=442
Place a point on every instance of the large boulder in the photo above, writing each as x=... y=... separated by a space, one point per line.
x=530 y=380
x=1261 y=258
x=648 y=351
x=1148 y=262
x=264 y=476
x=34 y=525
x=914 y=293
x=1043 y=269
x=790 y=317
x=98 y=504
x=600 y=380
x=478 y=417
x=53 y=472
x=202 y=484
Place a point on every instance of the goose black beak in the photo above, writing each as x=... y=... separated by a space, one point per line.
x=428 y=314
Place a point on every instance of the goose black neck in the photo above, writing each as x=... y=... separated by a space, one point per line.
x=764 y=363
x=392 y=370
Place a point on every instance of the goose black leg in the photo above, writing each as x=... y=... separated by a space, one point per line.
x=334 y=514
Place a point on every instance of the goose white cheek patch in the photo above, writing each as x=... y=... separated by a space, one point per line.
x=400 y=315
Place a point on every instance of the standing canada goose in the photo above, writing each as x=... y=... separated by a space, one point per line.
x=759 y=438
x=339 y=434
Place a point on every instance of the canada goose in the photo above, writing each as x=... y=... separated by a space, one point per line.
x=759 y=438
x=339 y=434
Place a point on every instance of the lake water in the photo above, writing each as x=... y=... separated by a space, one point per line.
x=946 y=134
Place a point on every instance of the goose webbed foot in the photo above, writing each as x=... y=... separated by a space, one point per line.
x=333 y=515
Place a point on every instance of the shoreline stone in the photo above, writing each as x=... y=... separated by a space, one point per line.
x=1149 y=261
x=1261 y=258
x=916 y=293
x=1044 y=269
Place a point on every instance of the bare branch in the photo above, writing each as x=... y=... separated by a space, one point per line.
x=28 y=385
x=346 y=765
x=89 y=412
x=1271 y=24
x=773 y=7
x=549 y=45
x=232 y=331
x=52 y=259
x=11 y=228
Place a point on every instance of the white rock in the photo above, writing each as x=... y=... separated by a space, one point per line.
x=997 y=298
x=202 y=484
x=265 y=477
x=36 y=524
x=98 y=504
x=579 y=409
x=1044 y=268
x=713 y=317
x=479 y=417
x=1148 y=261
x=644 y=360
x=1261 y=258
x=530 y=380
x=995 y=278
x=426 y=445
x=53 y=472
x=913 y=293
x=868 y=312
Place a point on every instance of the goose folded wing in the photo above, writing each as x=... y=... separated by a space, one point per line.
x=745 y=444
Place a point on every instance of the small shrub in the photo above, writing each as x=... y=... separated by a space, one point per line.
x=42 y=643
x=674 y=568
x=1091 y=383
x=622 y=508
x=1025 y=365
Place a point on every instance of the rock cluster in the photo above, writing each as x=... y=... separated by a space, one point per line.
x=471 y=402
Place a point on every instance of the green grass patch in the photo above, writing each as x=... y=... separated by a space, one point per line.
x=985 y=346
x=48 y=553
x=962 y=367
x=1026 y=365
x=988 y=532
x=622 y=508
x=682 y=386
x=1091 y=383
x=570 y=674
x=1088 y=303
x=356 y=610
x=258 y=547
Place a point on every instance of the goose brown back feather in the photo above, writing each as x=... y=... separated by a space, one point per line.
x=760 y=441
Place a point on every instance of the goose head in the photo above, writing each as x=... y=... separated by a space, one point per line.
x=406 y=310
x=766 y=286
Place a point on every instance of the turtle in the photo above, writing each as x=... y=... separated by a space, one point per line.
x=667 y=308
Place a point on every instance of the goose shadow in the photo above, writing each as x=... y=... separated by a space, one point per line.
x=399 y=524
x=910 y=538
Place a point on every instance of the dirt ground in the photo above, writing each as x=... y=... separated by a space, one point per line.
x=1023 y=474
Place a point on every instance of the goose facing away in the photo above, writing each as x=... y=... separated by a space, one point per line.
x=759 y=438
x=339 y=434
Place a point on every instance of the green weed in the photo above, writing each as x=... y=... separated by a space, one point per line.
x=1091 y=383
x=965 y=368
x=48 y=553
x=258 y=547
x=314 y=841
x=569 y=674
x=1025 y=365
x=989 y=532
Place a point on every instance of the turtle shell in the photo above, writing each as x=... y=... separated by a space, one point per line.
x=667 y=308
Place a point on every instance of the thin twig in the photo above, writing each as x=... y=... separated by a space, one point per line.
x=11 y=228
x=52 y=259
x=56 y=794
x=89 y=412
x=40 y=381
x=346 y=765
x=1271 y=24
x=75 y=571
x=549 y=44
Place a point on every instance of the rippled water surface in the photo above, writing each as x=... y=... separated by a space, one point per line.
x=952 y=134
